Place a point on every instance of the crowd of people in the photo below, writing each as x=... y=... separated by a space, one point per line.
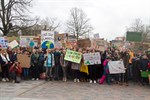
x=49 y=65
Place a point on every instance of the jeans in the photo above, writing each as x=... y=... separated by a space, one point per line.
x=64 y=72
x=76 y=74
x=48 y=72
x=5 y=71
x=92 y=72
x=130 y=73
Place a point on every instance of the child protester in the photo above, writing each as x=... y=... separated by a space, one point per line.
x=15 y=72
x=106 y=74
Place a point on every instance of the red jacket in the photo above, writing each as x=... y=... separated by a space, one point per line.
x=18 y=70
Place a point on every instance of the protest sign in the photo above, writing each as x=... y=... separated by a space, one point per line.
x=116 y=67
x=92 y=58
x=3 y=43
x=13 y=44
x=73 y=56
x=24 y=60
x=47 y=39
x=84 y=43
x=58 y=44
x=25 y=40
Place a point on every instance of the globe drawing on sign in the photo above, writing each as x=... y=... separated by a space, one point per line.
x=31 y=44
x=47 y=45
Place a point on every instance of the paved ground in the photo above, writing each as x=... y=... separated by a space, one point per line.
x=58 y=90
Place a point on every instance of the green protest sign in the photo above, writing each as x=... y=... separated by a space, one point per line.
x=73 y=56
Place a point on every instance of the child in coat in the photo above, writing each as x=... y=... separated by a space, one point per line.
x=106 y=74
x=15 y=72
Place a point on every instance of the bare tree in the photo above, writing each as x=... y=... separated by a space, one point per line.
x=50 y=24
x=138 y=26
x=78 y=24
x=13 y=13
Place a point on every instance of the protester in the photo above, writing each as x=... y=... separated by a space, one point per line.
x=41 y=61
x=15 y=72
x=84 y=72
x=57 y=67
x=130 y=73
x=34 y=65
x=144 y=68
x=106 y=74
x=76 y=69
x=49 y=63
x=92 y=71
x=5 y=64
x=64 y=65
x=125 y=57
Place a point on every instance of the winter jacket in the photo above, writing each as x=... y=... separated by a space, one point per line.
x=75 y=66
x=57 y=58
x=144 y=64
x=34 y=59
x=49 y=60
x=125 y=57
x=18 y=70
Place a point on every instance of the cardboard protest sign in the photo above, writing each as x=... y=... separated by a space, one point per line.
x=73 y=56
x=3 y=43
x=60 y=37
x=84 y=43
x=116 y=67
x=13 y=44
x=92 y=58
x=24 y=60
x=47 y=39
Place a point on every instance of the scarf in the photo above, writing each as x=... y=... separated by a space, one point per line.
x=5 y=59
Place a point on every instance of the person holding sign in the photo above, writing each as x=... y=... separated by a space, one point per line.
x=93 y=70
x=49 y=63
x=76 y=68
x=125 y=57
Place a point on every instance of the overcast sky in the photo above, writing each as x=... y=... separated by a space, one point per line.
x=108 y=17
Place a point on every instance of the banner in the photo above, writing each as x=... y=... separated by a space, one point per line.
x=92 y=58
x=134 y=36
x=13 y=44
x=116 y=67
x=24 y=60
x=3 y=43
x=47 y=39
x=73 y=56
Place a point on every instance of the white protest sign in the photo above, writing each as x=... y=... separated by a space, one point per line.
x=3 y=43
x=92 y=58
x=13 y=44
x=116 y=67
x=47 y=39
x=25 y=41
